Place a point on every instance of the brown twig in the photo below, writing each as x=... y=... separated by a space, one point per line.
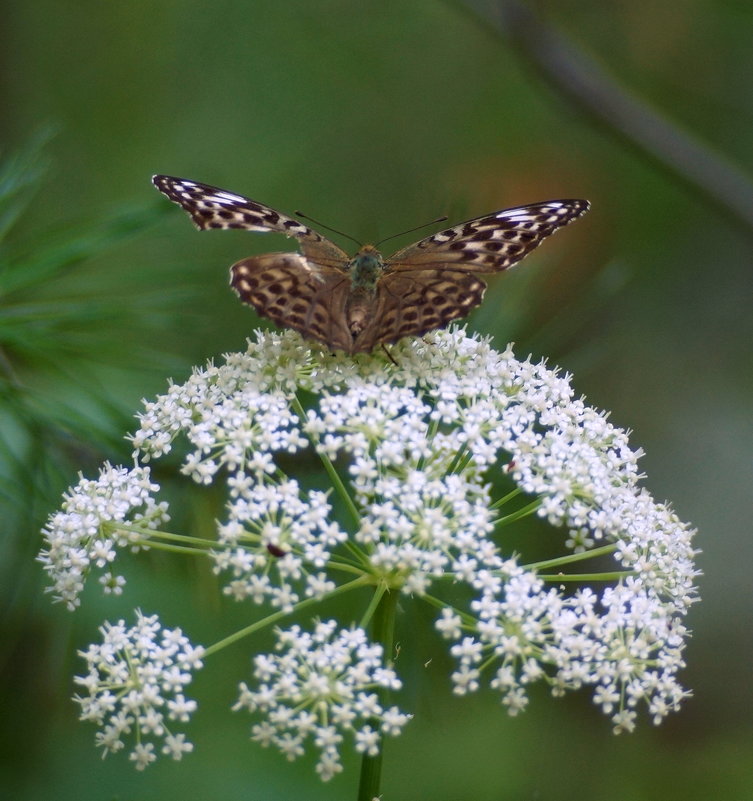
x=565 y=67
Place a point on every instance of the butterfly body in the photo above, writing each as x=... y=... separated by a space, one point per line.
x=365 y=268
x=356 y=303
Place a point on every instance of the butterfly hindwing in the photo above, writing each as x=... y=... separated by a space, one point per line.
x=287 y=290
x=413 y=302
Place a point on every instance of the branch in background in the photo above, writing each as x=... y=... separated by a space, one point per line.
x=563 y=65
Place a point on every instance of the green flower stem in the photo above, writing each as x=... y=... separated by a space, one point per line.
x=148 y=533
x=275 y=616
x=181 y=549
x=505 y=498
x=382 y=631
x=373 y=605
x=334 y=476
x=560 y=577
x=430 y=434
x=337 y=482
x=468 y=620
x=345 y=567
x=524 y=511
x=460 y=459
x=573 y=557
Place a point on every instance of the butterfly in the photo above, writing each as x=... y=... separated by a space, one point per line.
x=355 y=303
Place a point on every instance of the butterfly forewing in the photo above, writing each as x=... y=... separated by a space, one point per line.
x=434 y=281
x=491 y=243
x=418 y=289
x=212 y=207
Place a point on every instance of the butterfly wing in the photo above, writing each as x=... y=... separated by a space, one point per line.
x=491 y=243
x=285 y=288
x=212 y=207
x=412 y=302
x=424 y=286
x=434 y=281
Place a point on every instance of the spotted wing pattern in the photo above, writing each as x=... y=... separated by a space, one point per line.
x=292 y=293
x=412 y=303
x=434 y=281
x=422 y=287
x=491 y=243
x=212 y=207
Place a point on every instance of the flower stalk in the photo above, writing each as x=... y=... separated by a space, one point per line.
x=382 y=632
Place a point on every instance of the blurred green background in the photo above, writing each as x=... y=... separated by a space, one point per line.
x=373 y=117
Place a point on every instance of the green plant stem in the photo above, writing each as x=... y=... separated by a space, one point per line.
x=275 y=616
x=148 y=533
x=524 y=511
x=505 y=498
x=334 y=476
x=382 y=631
x=573 y=557
x=615 y=575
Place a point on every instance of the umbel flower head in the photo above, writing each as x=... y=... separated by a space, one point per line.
x=430 y=459
x=135 y=684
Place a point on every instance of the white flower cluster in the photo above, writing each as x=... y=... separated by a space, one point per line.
x=85 y=533
x=276 y=539
x=624 y=644
x=319 y=685
x=413 y=451
x=135 y=685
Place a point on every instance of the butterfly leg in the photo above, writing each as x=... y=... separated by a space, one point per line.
x=389 y=355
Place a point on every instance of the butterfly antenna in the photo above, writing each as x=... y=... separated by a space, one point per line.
x=411 y=230
x=328 y=227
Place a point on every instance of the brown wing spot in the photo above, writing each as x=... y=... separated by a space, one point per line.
x=447 y=290
x=388 y=320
